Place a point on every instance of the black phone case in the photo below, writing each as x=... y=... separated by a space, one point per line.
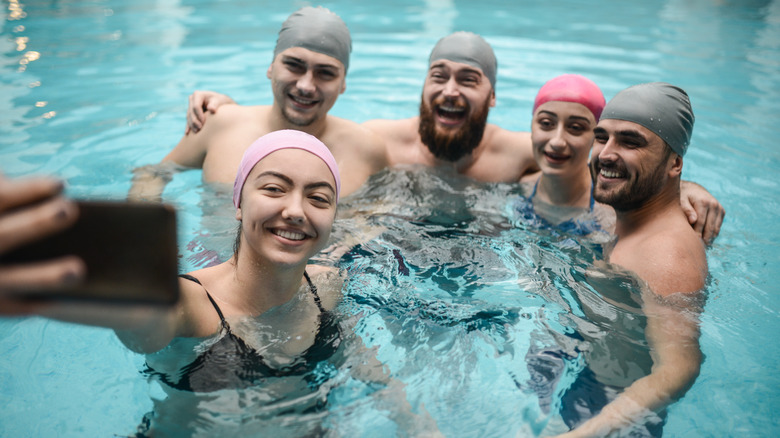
x=130 y=250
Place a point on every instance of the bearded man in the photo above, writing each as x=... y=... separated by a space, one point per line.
x=636 y=162
x=452 y=128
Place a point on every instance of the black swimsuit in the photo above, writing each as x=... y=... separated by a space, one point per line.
x=231 y=363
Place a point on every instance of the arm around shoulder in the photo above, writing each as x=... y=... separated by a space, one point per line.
x=704 y=212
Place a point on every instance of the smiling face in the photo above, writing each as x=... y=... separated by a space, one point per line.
x=288 y=204
x=455 y=103
x=305 y=84
x=630 y=164
x=562 y=135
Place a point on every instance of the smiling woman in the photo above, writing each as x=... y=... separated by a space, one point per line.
x=565 y=113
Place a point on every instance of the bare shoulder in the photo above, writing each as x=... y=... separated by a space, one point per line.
x=514 y=144
x=233 y=114
x=345 y=133
x=396 y=129
x=196 y=314
x=670 y=260
x=329 y=283
x=501 y=138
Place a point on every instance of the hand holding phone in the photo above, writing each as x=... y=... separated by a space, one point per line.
x=31 y=209
x=127 y=251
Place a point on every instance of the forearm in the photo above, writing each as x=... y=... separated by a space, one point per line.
x=640 y=402
x=149 y=181
x=142 y=328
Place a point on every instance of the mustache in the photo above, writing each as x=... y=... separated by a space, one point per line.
x=596 y=165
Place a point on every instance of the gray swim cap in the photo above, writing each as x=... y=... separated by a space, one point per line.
x=316 y=29
x=659 y=107
x=467 y=48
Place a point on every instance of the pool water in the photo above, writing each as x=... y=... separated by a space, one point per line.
x=455 y=296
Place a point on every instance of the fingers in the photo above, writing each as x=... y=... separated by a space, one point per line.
x=42 y=275
x=195 y=115
x=689 y=211
x=15 y=193
x=34 y=222
x=712 y=224
x=706 y=219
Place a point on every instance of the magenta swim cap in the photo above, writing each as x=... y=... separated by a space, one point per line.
x=284 y=139
x=572 y=88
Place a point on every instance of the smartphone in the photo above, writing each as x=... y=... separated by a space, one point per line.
x=130 y=251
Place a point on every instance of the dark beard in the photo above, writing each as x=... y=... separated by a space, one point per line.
x=634 y=194
x=454 y=145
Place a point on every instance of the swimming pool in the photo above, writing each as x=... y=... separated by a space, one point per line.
x=90 y=90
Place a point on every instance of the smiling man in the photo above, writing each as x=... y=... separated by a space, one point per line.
x=636 y=162
x=452 y=128
x=307 y=75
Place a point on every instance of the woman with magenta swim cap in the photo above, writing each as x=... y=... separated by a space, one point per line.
x=565 y=112
x=266 y=313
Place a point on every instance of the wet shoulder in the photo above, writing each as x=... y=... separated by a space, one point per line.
x=670 y=260
x=197 y=316
x=346 y=134
x=329 y=284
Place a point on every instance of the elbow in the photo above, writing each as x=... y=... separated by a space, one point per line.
x=680 y=378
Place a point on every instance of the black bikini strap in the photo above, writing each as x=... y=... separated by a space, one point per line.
x=313 y=290
x=225 y=324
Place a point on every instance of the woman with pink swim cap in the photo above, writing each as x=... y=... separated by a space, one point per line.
x=565 y=112
x=286 y=191
x=260 y=313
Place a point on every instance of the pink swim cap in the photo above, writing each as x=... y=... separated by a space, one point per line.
x=572 y=88
x=284 y=139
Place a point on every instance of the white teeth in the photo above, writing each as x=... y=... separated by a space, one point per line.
x=609 y=173
x=291 y=235
x=302 y=101
x=452 y=109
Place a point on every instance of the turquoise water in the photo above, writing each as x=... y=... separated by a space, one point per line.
x=90 y=90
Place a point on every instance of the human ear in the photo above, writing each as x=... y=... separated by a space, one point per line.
x=676 y=166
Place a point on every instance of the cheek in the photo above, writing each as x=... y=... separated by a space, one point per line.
x=582 y=145
x=323 y=220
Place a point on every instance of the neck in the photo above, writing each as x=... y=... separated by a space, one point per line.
x=462 y=165
x=261 y=285
x=571 y=190
x=665 y=202
x=277 y=122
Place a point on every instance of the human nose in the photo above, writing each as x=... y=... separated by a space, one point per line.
x=558 y=139
x=293 y=209
x=451 y=88
x=606 y=151
x=306 y=82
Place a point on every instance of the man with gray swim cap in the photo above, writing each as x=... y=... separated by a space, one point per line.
x=452 y=129
x=665 y=110
x=636 y=162
x=316 y=29
x=307 y=75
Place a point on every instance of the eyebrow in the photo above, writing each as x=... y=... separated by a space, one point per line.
x=289 y=180
x=626 y=133
x=442 y=66
x=301 y=61
x=630 y=133
x=568 y=118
